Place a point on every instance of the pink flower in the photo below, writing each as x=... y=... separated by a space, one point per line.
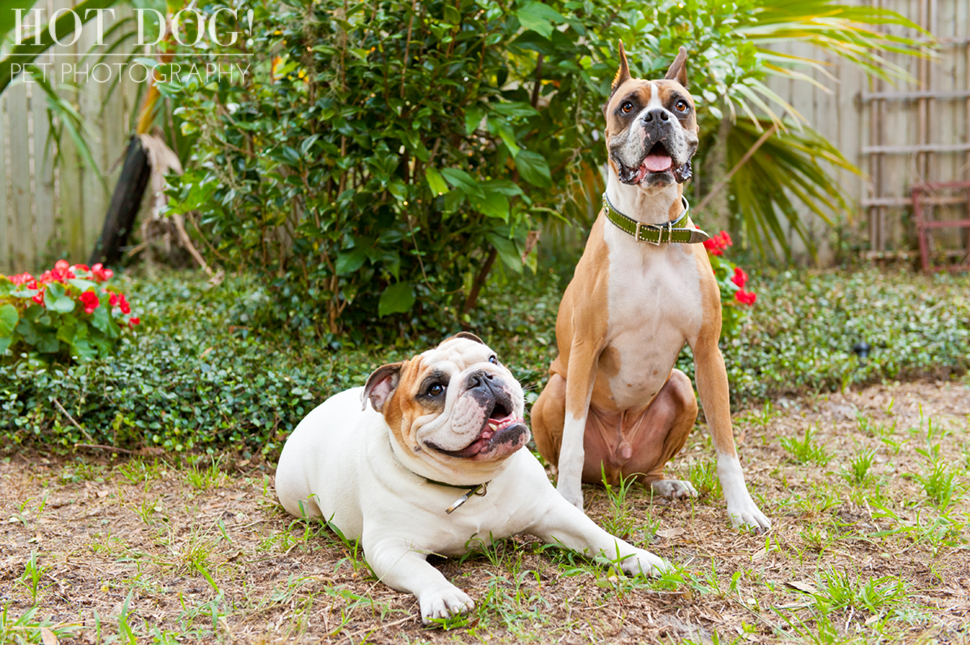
x=62 y=265
x=82 y=267
x=90 y=301
x=740 y=277
x=23 y=278
x=745 y=297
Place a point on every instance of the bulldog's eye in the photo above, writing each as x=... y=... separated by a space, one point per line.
x=493 y=359
x=681 y=106
x=436 y=390
x=626 y=107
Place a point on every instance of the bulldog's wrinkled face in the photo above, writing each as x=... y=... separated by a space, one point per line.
x=651 y=127
x=454 y=403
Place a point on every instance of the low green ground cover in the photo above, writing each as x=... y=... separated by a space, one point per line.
x=202 y=375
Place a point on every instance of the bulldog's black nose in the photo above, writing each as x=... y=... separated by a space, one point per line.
x=479 y=380
x=656 y=114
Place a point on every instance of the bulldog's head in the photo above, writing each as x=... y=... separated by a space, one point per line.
x=454 y=410
x=651 y=126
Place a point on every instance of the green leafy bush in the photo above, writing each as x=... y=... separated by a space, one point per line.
x=68 y=313
x=203 y=377
x=381 y=158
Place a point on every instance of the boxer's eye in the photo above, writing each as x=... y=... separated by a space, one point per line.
x=436 y=390
x=681 y=106
x=493 y=360
x=626 y=107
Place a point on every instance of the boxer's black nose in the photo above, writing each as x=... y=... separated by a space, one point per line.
x=656 y=115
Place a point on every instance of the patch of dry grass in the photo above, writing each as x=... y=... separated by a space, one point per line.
x=869 y=544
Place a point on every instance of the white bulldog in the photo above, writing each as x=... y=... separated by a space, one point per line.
x=433 y=468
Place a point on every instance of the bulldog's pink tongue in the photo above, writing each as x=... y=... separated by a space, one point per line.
x=657 y=163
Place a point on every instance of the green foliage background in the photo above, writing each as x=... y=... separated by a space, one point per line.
x=199 y=377
x=383 y=157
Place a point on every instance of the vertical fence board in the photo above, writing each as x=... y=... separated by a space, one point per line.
x=43 y=175
x=23 y=236
x=92 y=190
x=6 y=262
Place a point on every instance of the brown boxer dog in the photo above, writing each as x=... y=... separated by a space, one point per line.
x=614 y=404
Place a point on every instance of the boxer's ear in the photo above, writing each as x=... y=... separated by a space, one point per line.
x=678 y=69
x=381 y=385
x=622 y=74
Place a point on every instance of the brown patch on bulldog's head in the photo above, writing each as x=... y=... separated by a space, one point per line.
x=651 y=126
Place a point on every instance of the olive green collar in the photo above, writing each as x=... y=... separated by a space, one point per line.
x=656 y=234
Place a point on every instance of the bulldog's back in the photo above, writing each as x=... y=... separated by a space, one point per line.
x=321 y=461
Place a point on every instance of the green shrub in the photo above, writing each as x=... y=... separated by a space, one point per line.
x=382 y=160
x=68 y=313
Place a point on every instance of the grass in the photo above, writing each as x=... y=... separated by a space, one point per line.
x=868 y=546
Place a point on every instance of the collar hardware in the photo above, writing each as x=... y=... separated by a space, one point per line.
x=654 y=233
x=483 y=488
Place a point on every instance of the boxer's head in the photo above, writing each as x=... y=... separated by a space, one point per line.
x=651 y=126
x=455 y=408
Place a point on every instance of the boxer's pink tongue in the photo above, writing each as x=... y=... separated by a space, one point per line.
x=657 y=163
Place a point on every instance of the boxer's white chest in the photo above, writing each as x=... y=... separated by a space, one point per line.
x=654 y=308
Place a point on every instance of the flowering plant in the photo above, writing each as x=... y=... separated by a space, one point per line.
x=731 y=279
x=69 y=312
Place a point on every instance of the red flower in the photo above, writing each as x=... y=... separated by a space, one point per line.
x=62 y=265
x=46 y=277
x=39 y=297
x=113 y=299
x=23 y=278
x=745 y=297
x=100 y=273
x=134 y=321
x=90 y=301
x=125 y=307
x=82 y=267
x=740 y=277
x=717 y=244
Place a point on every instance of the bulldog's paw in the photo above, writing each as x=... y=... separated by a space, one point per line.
x=572 y=494
x=646 y=563
x=673 y=488
x=745 y=513
x=444 y=603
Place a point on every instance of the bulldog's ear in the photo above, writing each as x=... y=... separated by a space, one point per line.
x=678 y=69
x=467 y=336
x=622 y=74
x=381 y=385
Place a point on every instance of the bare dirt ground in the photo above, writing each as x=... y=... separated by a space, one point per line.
x=869 y=544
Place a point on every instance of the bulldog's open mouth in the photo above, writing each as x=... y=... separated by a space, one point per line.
x=502 y=432
x=657 y=160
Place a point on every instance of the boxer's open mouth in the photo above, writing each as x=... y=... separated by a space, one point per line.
x=503 y=432
x=656 y=161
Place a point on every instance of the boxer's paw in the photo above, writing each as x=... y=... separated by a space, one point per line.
x=743 y=512
x=646 y=563
x=572 y=494
x=673 y=488
x=444 y=603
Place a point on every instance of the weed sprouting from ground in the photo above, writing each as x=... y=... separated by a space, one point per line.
x=807 y=449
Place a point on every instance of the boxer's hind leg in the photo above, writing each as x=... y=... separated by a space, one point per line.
x=660 y=433
x=548 y=417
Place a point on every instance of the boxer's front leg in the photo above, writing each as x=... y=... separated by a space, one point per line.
x=399 y=565
x=580 y=376
x=712 y=385
x=566 y=525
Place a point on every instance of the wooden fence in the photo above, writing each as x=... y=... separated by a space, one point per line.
x=52 y=208
x=897 y=135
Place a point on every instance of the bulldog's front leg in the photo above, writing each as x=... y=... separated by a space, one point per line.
x=397 y=564
x=564 y=524
x=712 y=385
